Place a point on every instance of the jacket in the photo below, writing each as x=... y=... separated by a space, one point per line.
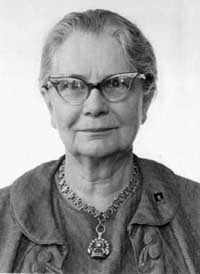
x=164 y=232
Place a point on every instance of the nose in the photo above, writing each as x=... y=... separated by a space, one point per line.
x=95 y=105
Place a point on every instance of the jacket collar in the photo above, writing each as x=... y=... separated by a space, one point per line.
x=31 y=199
x=160 y=196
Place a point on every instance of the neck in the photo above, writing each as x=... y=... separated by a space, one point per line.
x=98 y=180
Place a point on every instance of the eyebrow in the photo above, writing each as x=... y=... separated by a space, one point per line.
x=75 y=75
x=72 y=75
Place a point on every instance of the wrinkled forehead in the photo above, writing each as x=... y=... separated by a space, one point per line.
x=89 y=54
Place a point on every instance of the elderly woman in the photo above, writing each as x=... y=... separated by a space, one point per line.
x=99 y=208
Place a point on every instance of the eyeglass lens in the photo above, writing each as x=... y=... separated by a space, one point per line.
x=74 y=90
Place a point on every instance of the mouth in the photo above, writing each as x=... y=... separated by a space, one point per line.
x=98 y=130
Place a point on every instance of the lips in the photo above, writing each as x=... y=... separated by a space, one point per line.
x=99 y=129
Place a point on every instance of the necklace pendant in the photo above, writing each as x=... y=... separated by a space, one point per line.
x=99 y=248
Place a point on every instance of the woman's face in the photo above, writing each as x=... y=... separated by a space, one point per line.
x=96 y=128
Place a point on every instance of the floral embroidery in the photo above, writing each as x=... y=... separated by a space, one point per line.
x=150 y=259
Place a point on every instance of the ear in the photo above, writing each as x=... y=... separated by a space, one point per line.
x=47 y=98
x=147 y=98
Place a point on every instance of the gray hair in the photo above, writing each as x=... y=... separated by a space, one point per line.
x=135 y=45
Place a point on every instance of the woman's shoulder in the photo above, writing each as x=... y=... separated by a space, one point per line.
x=187 y=189
x=158 y=169
x=39 y=175
x=40 y=171
x=4 y=197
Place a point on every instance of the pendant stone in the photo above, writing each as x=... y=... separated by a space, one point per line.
x=99 y=248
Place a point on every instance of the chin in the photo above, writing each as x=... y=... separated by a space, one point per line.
x=95 y=151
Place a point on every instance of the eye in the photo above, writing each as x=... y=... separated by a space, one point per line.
x=118 y=82
x=115 y=82
x=75 y=84
x=71 y=84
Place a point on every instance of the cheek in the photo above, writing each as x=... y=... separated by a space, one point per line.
x=131 y=119
x=132 y=114
x=64 y=119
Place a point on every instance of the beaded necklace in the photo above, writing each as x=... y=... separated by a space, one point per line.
x=99 y=248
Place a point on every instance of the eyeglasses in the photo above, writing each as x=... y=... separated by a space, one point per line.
x=75 y=90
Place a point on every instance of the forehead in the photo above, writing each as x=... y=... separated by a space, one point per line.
x=90 y=55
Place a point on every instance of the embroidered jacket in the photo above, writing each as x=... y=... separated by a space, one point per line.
x=164 y=232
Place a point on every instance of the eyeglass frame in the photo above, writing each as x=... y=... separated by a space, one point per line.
x=90 y=86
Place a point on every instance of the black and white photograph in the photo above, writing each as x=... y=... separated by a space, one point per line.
x=100 y=130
